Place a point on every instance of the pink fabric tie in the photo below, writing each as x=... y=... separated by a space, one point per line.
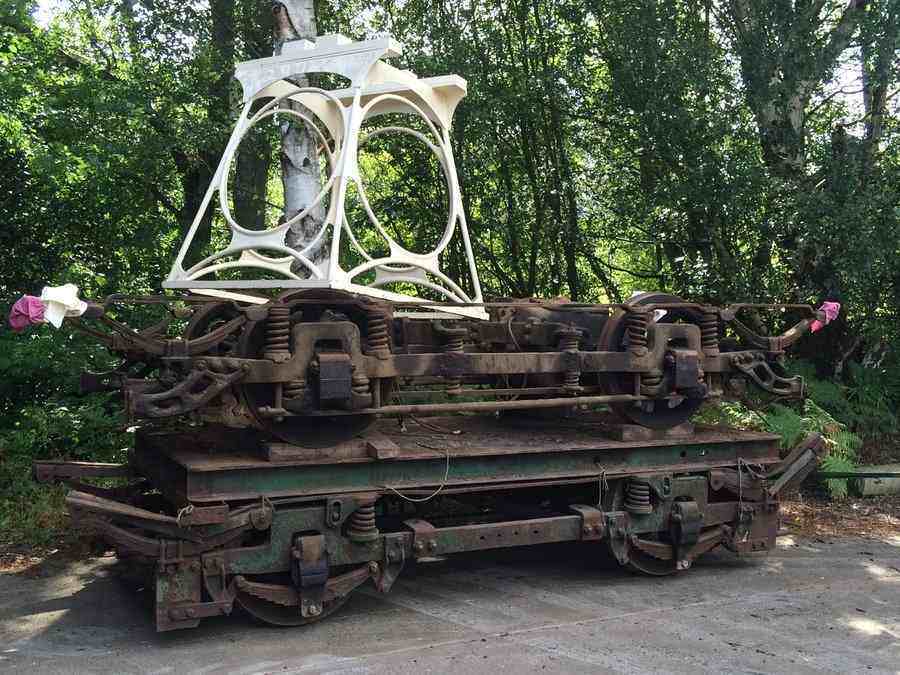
x=831 y=309
x=26 y=311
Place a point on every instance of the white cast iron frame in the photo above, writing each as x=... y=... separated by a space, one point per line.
x=375 y=88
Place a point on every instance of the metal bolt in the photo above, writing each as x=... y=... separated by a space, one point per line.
x=314 y=610
x=432 y=545
x=419 y=546
x=373 y=567
x=191 y=613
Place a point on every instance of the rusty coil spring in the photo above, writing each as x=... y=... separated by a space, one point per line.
x=455 y=342
x=568 y=342
x=636 y=326
x=362 y=523
x=377 y=328
x=278 y=329
x=294 y=390
x=709 y=332
x=637 y=496
x=359 y=384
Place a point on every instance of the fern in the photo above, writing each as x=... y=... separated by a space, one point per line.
x=786 y=423
x=838 y=488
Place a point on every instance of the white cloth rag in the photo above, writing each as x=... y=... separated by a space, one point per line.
x=60 y=302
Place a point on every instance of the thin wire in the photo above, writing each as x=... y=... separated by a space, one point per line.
x=184 y=512
x=419 y=500
x=435 y=427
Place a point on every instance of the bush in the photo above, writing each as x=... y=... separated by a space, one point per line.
x=42 y=416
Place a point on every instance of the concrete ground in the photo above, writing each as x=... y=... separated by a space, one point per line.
x=811 y=607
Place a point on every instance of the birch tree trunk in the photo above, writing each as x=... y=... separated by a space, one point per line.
x=300 y=174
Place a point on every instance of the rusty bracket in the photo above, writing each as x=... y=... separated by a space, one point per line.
x=396 y=546
x=197 y=389
x=685 y=523
x=617 y=526
x=763 y=375
x=199 y=610
x=794 y=468
x=309 y=572
x=424 y=543
x=44 y=471
x=593 y=524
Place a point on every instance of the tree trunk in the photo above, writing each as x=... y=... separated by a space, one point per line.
x=300 y=173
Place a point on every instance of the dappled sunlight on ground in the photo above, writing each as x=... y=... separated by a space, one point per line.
x=872 y=517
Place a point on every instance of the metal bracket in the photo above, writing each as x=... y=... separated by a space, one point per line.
x=593 y=525
x=335 y=377
x=794 y=468
x=395 y=548
x=309 y=572
x=764 y=376
x=424 y=544
x=686 y=364
x=617 y=524
x=685 y=523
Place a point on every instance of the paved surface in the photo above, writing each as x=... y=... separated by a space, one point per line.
x=811 y=607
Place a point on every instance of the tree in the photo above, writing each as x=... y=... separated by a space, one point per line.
x=300 y=169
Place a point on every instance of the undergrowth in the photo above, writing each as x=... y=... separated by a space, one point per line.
x=853 y=413
x=42 y=416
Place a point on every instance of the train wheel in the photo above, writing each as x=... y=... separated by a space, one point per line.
x=208 y=318
x=278 y=604
x=646 y=563
x=654 y=414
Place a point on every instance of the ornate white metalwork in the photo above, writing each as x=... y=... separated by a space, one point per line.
x=376 y=88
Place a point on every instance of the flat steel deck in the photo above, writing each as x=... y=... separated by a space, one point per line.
x=481 y=451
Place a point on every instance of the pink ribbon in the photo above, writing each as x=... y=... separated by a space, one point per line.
x=26 y=311
x=831 y=309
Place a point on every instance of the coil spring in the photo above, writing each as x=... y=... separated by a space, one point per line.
x=362 y=523
x=278 y=330
x=709 y=331
x=293 y=390
x=568 y=341
x=454 y=342
x=636 y=325
x=360 y=384
x=377 y=328
x=637 y=496
x=651 y=379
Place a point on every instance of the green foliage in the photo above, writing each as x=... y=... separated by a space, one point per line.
x=43 y=417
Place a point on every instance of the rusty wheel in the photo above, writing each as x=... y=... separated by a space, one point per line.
x=208 y=318
x=272 y=610
x=646 y=563
x=656 y=414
